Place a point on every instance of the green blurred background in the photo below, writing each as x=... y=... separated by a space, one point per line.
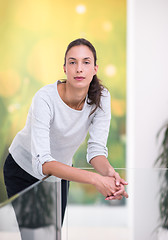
x=34 y=36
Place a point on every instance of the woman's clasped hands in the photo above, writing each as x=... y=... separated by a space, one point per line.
x=111 y=187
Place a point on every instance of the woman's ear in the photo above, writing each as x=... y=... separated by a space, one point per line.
x=95 y=69
x=64 y=69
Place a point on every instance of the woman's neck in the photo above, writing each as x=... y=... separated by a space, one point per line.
x=74 y=98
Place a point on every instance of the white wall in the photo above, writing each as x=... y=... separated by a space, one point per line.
x=147 y=81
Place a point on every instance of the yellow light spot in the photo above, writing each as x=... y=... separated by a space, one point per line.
x=123 y=138
x=10 y=83
x=45 y=62
x=97 y=29
x=83 y=34
x=26 y=80
x=34 y=15
x=80 y=9
x=13 y=107
x=107 y=26
x=110 y=70
x=118 y=107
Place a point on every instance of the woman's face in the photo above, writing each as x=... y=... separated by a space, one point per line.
x=80 y=67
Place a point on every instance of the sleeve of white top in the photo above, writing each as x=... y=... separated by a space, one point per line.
x=40 y=132
x=99 y=129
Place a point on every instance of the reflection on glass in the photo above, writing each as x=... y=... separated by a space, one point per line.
x=34 y=209
x=8 y=224
x=35 y=213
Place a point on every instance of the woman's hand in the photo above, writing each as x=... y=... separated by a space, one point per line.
x=118 y=179
x=107 y=187
x=102 y=165
x=118 y=194
x=119 y=183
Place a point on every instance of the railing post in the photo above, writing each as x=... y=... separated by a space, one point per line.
x=58 y=210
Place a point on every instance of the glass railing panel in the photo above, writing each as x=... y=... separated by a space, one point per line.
x=8 y=224
x=90 y=217
x=34 y=213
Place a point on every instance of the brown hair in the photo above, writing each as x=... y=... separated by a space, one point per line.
x=95 y=88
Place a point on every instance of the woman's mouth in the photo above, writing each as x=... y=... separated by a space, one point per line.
x=79 y=78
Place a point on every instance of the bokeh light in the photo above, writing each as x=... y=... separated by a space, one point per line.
x=45 y=62
x=13 y=107
x=118 y=107
x=110 y=70
x=10 y=83
x=107 y=26
x=80 y=9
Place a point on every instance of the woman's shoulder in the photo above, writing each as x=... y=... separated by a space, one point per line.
x=45 y=95
x=105 y=100
x=105 y=94
x=47 y=91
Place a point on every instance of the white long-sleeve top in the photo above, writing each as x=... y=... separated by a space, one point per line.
x=54 y=131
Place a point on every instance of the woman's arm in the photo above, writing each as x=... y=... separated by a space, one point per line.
x=97 y=151
x=102 y=165
x=104 y=184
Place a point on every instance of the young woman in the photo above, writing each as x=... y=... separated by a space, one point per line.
x=59 y=118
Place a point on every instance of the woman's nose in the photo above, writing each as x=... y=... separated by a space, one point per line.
x=79 y=68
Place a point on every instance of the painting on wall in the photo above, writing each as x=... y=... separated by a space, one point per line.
x=34 y=37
